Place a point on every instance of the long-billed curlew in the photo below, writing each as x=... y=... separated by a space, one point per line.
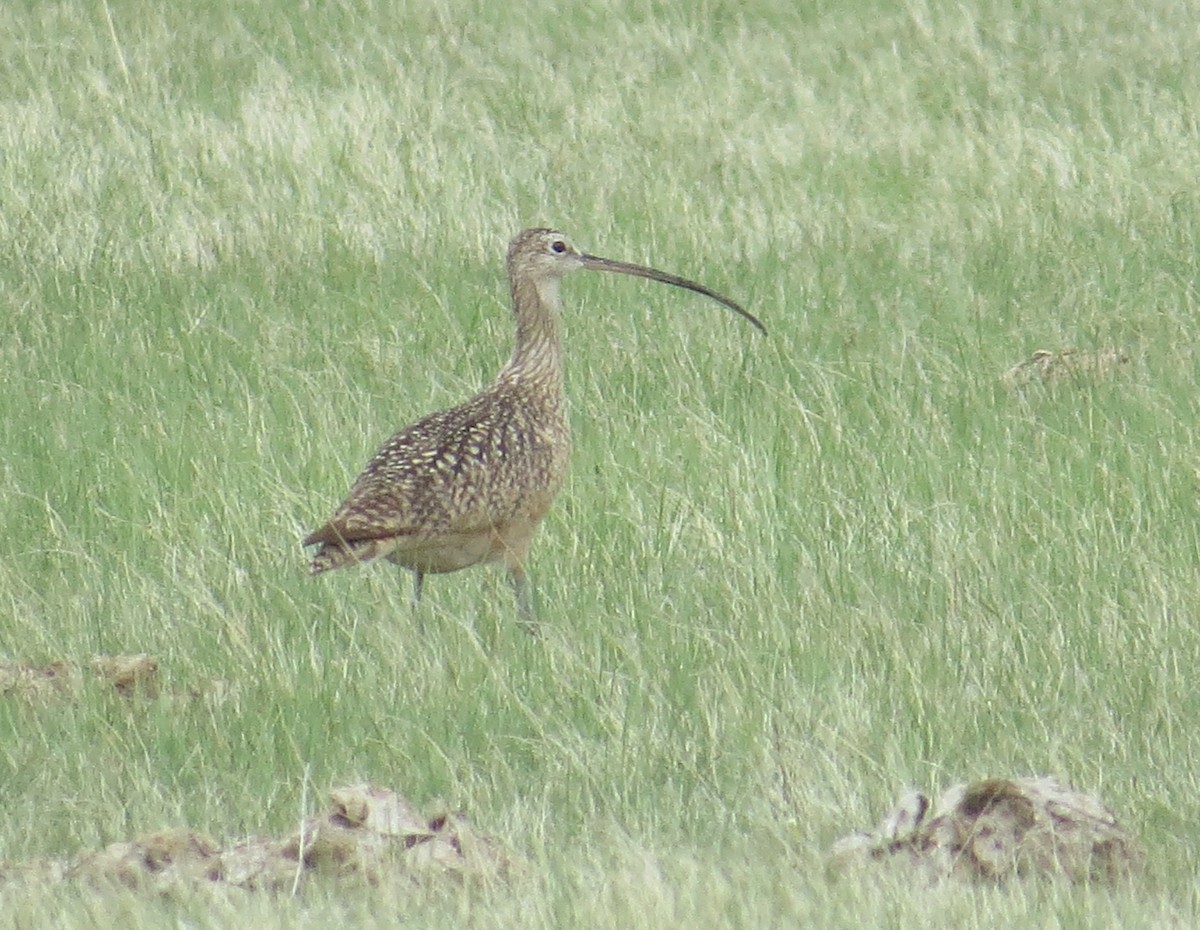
x=470 y=484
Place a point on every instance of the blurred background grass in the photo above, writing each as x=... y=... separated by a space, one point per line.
x=240 y=245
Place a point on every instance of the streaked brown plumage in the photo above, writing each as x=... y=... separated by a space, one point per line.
x=471 y=484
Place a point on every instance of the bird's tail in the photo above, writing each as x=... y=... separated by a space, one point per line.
x=341 y=554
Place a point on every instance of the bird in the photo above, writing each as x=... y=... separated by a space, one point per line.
x=470 y=484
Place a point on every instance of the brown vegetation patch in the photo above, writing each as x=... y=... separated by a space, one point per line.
x=370 y=835
x=130 y=676
x=37 y=682
x=126 y=674
x=1065 y=364
x=998 y=829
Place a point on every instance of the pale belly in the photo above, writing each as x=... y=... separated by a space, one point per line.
x=506 y=542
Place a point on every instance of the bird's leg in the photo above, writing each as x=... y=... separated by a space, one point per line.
x=418 y=583
x=526 y=611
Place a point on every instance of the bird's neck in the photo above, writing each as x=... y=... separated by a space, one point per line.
x=538 y=351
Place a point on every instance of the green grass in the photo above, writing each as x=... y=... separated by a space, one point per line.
x=240 y=246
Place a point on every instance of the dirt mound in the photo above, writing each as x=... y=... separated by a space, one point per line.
x=126 y=674
x=998 y=829
x=130 y=676
x=370 y=835
x=1077 y=364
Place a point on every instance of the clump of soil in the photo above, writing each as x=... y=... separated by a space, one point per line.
x=367 y=834
x=998 y=829
x=128 y=675
x=22 y=680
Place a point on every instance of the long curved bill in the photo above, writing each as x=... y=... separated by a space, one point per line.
x=640 y=271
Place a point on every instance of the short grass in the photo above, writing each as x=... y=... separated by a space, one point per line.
x=242 y=243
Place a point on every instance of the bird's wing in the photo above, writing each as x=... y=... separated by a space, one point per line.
x=416 y=484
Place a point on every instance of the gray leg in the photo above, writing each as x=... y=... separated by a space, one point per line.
x=418 y=582
x=526 y=612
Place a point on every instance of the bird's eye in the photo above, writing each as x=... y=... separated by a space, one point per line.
x=558 y=246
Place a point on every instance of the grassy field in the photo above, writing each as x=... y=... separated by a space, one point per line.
x=789 y=577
